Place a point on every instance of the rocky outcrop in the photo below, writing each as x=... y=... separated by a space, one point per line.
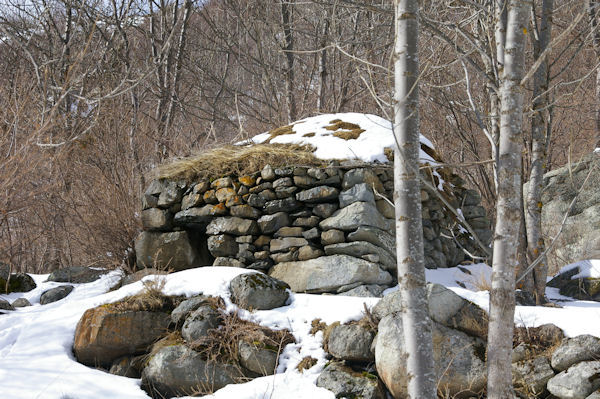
x=459 y=359
x=278 y=216
x=580 y=236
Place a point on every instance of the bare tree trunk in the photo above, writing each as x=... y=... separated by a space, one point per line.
x=502 y=295
x=323 y=67
x=288 y=48
x=593 y=11
x=539 y=127
x=500 y=38
x=174 y=95
x=409 y=230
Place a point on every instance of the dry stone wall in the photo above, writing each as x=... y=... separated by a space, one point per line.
x=327 y=229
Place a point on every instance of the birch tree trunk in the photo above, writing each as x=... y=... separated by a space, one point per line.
x=416 y=324
x=533 y=214
x=506 y=238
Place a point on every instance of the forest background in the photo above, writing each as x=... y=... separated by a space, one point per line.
x=95 y=94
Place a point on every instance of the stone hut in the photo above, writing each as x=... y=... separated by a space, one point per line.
x=320 y=228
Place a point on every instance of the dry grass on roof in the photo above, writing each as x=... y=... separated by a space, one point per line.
x=238 y=161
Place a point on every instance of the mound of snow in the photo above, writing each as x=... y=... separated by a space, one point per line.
x=368 y=147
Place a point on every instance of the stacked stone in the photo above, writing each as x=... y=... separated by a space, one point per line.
x=283 y=220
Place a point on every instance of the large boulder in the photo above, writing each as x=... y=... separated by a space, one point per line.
x=346 y=383
x=351 y=342
x=258 y=291
x=258 y=359
x=55 y=294
x=105 y=334
x=355 y=215
x=580 y=237
x=329 y=273
x=178 y=371
x=459 y=359
x=18 y=282
x=575 y=350
x=445 y=307
x=199 y=322
x=577 y=382
x=178 y=250
x=5 y=305
x=75 y=274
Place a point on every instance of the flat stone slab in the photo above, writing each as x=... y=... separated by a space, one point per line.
x=328 y=273
x=355 y=215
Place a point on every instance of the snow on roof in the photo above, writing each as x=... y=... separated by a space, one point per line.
x=323 y=131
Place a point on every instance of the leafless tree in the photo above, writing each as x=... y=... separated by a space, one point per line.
x=508 y=209
x=414 y=313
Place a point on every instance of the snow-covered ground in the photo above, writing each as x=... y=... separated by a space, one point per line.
x=36 y=360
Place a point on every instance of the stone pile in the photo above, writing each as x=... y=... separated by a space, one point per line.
x=162 y=339
x=297 y=222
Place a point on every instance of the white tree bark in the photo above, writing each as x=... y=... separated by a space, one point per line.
x=506 y=238
x=409 y=230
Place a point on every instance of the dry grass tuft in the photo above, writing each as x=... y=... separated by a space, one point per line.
x=389 y=153
x=238 y=161
x=222 y=344
x=306 y=363
x=542 y=340
x=150 y=299
x=481 y=282
x=317 y=325
x=280 y=131
x=349 y=131
x=349 y=134
x=312 y=134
